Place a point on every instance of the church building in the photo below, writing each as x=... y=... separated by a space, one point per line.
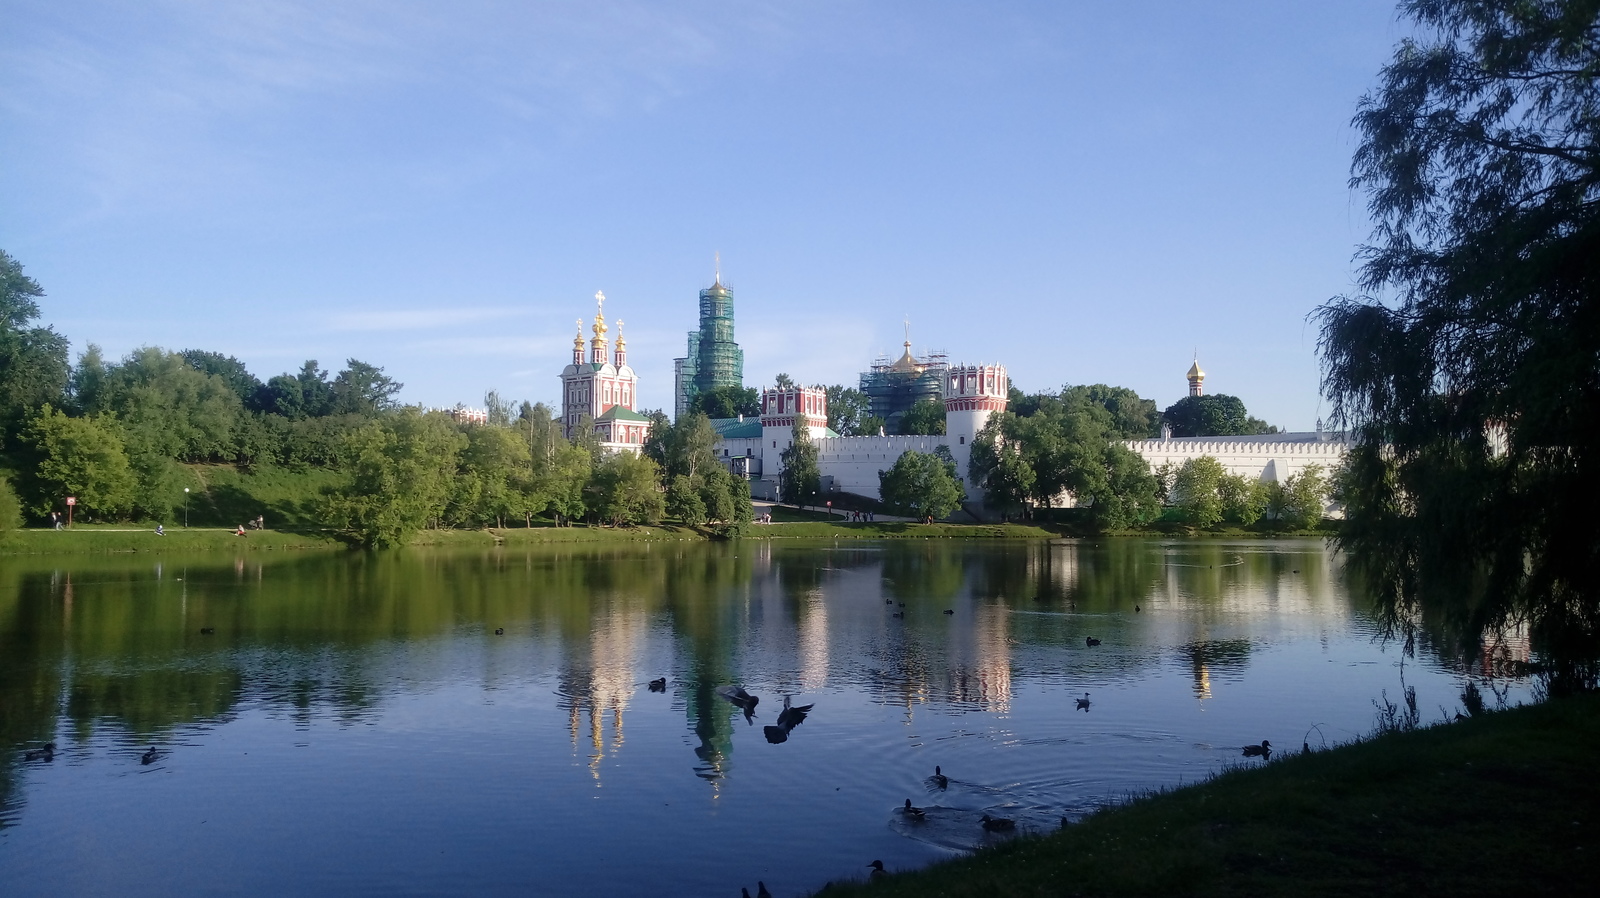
x=599 y=390
x=713 y=359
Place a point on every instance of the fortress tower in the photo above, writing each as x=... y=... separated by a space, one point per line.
x=972 y=393
x=780 y=408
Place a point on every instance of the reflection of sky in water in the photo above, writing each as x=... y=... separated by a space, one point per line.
x=355 y=726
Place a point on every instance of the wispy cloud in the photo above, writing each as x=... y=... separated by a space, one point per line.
x=417 y=319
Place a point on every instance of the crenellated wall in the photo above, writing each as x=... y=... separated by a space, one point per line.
x=854 y=462
x=1272 y=459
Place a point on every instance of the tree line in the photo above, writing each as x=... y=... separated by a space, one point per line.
x=114 y=434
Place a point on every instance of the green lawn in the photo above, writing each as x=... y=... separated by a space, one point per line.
x=1503 y=804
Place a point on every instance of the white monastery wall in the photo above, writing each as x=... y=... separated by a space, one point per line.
x=1271 y=461
x=854 y=462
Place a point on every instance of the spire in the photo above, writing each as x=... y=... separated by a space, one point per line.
x=597 y=346
x=622 y=346
x=1196 y=377
x=717 y=267
x=577 y=344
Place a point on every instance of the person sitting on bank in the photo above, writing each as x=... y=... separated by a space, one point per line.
x=240 y=531
x=160 y=531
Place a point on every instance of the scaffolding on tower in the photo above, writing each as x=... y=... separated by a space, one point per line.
x=892 y=388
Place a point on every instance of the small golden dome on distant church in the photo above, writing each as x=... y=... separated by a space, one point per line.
x=1194 y=371
x=906 y=364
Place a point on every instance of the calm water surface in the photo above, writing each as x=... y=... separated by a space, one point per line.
x=355 y=726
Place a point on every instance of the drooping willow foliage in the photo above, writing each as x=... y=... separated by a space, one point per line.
x=1469 y=370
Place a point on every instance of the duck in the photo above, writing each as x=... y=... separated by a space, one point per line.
x=148 y=757
x=208 y=631
x=998 y=824
x=499 y=631
x=939 y=779
x=913 y=813
x=46 y=752
x=949 y=611
x=659 y=684
x=888 y=601
x=1090 y=641
x=1136 y=609
x=761 y=890
x=1264 y=750
x=877 y=871
x=1083 y=703
x=898 y=614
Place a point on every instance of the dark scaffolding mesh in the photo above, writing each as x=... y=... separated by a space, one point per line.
x=892 y=388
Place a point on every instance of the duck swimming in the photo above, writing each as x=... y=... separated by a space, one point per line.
x=1083 y=703
x=913 y=813
x=939 y=779
x=949 y=611
x=47 y=752
x=148 y=757
x=877 y=870
x=499 y=631
x=659 y=684
x=1090 y=641
x=1264 y=750
x=998 y=824
x=208 y=631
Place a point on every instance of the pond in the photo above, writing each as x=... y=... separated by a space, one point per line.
x=484 y=722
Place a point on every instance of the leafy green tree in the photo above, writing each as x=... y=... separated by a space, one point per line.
x=784 y=382
x=627 y=490
x=500 y=409
x=361 y=389
x=923 y=417
x=801 y=479
x=168 y=408
x=921 y=484
x=1214 y=415
x=1116 y=485
x=998 y=464
x=1298 y=503
x=495 y=469
x=79 y=457
x=248 y=387
x=562 y=479
x=1466 y=375
x=1132 y=417
x=402 y=472
x=850 y=412
x=1196 y=490
x=307 y=394
x=684 y=501
x=1243 y=500
x=728 y=402
x=726 y=497
x=33 y=360
x=10 y=510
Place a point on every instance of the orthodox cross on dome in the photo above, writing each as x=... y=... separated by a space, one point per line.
x=717 y=267
x=621 y=342
x=599 y=315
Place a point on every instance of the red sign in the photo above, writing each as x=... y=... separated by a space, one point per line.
x=72 y=500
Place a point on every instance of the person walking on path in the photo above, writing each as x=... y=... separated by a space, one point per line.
x=55 y=518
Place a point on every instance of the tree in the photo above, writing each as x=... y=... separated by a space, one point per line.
x=1216 y=415
x=1243 y=500
x=167 y=407
x=248 y=387
x=79 y=457
x=1466 y=370
x=402 y=472
x=627 y=490
x=998 y=465
x=492 y=483
x=307 y=394
x=850 y=412
x=500 y=409
x=921 y=484
x=727 y=402
x=1298 y=503
x=801 y=479
x=925 y=416
x=361 y=389
x=1196 y=490
x=33 y=360
x=784 y=381
x=1132 y=416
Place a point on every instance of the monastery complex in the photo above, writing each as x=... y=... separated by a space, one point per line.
x=599 y=387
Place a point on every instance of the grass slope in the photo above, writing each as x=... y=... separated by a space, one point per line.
x=1506 y=803
x=838 y=529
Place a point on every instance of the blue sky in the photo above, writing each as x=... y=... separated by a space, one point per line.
x=1085 y=192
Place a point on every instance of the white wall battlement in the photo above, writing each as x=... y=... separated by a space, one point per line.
x=1270 y=458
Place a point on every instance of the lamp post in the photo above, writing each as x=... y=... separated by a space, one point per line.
x=186 y=508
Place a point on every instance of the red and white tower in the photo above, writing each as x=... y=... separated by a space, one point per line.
x=781 y=407
x=972 y=393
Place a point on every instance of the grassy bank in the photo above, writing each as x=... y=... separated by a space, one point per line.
x=523 y=536
x=838 y=529
x=93 y=538
x=1501 y=804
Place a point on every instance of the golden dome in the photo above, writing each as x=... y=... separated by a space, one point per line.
x=1194 y=371
x=906 y=364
